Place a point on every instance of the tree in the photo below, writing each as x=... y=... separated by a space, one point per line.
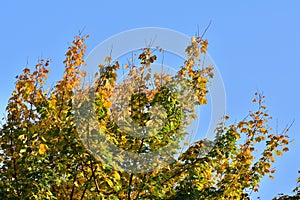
x=53 y=149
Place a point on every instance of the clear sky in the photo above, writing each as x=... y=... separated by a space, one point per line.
x=255 y=45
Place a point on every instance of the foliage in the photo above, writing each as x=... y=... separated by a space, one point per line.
x=44 y=154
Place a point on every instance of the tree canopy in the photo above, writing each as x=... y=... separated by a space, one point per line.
x=60 y=142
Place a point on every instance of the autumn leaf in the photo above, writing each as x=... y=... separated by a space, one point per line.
x=278 y=153
x=108 y=59
x=42 y=149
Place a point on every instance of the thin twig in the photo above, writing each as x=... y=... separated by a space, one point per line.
x=206 y=29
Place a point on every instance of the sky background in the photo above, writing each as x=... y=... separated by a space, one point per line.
x=255 y=45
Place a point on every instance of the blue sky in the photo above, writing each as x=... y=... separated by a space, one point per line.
x=255 y=45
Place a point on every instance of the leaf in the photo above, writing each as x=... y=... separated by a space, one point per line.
x=22 y=150
x=110 y=183
x=43 y=139
x=108 y=59
x=152 y=58
x=278 y=153
x=285 y=141
x=285 y=149
x=244 y=130
x=263 y=130
x=21 y=137
x=42 y=149
x=117 y=176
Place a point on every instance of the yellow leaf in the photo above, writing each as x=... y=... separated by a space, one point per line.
x=188 y=123
x=76 y=184
x=248 y=152
x=272 y=159
x=117 y=176
x=244 y=130
x=22 y=150
x=263 y=130
x=258 y=139
x=278 y=153
x=42 y=149
x=43 y=138
x=110 y=183
x=107 y=104
x=21 y=137
x=203 y=101
x=126 y=66
x=267 y=165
